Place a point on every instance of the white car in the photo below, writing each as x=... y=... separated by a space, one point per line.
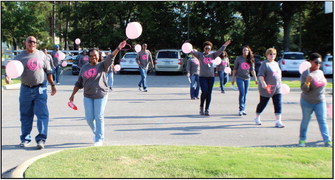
x=327 y=65
x=290 y=62
x=170 y=60
x=128 y=62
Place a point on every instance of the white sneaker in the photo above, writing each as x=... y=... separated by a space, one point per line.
x=99 y=143
x=279 y=124
x=258 y=121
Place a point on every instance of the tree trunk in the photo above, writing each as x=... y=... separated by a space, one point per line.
x=287 y=31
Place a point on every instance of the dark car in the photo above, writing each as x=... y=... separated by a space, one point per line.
x=258 y=61
x=75 y=68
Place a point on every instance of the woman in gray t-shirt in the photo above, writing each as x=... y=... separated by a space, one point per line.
x=243 y=66
x=269 y=86
x=313 y=84
x=92 y=78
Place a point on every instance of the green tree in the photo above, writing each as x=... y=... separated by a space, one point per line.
x=22 y=19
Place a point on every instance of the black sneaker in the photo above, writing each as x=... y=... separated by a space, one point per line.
x=206 y=113
x=40 y=144
x=201 y=111
x=223 y=92
x=24 y=144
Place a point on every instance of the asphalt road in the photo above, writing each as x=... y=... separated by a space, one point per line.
x=163 y=116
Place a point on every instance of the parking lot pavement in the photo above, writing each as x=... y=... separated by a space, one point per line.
x=163 y=116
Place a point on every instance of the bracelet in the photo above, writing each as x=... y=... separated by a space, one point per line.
x=307 y=83
x=118 y=48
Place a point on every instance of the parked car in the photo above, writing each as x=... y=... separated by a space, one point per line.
x=128 y=62
x=327 y=65
x=258 y=62
x=290 y=62
x=75 y=68
x=170 y=60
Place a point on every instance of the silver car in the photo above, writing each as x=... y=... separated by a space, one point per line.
x=290 y=61
x=327 y=65
x=128 y=62
x=170 y=60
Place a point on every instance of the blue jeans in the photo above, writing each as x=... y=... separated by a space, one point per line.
x=195 y=86
x=320 y=111
x=206 y=85
x=110 y=78
x=56 y=73
x=143 y=81
x=33 y=101
x=94 y=114
x=243 y=86
x=224 y=78
x=276 y=100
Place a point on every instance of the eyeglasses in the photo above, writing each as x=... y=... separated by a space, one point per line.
x=272 y=54
x=30 y=41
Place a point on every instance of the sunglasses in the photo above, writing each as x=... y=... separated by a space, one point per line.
x=272 y=54
x=30 y=41
x=317 y=62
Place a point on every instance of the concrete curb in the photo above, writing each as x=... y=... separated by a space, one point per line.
x=18 y=172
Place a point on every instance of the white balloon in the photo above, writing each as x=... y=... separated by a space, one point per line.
x=138 y=48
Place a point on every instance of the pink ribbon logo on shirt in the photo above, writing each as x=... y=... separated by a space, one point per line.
x=224 y=63
x=90 y=73
x=208 y=60
x=34 y=64
x=320 y=81
x=144 y=57
x=245 y=66
x=196 y=61
x=85 y=58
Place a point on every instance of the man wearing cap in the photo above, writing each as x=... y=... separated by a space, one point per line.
x=33 y=92
x=57 y=63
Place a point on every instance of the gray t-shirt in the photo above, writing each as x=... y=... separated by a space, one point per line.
x=272 y=76
x=83 y=59
x=192 y=66
x=243 y=68
x=35 y=66
x=315 y=93
x=224 y=63
x=93 y=78
x=144 y=58
x=56 y=60
x=206 y=62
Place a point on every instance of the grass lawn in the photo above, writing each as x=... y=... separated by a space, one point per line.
x=185 y=162
x=291 y=84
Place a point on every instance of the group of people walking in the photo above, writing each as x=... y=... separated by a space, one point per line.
x=93 y=79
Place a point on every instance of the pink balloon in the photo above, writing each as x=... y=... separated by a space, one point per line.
x=138 y=48
x=227 y=70
x=14 y=69
x=285 y=89
x=304 y=66
x=187 y=47
x=117 y=67
x=64 y=63
x=77 y=41
x=60 y=55
x=133 y=30
x=217 y=60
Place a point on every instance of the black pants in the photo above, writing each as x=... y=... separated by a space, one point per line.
x=206 y=85
x=263 y=101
